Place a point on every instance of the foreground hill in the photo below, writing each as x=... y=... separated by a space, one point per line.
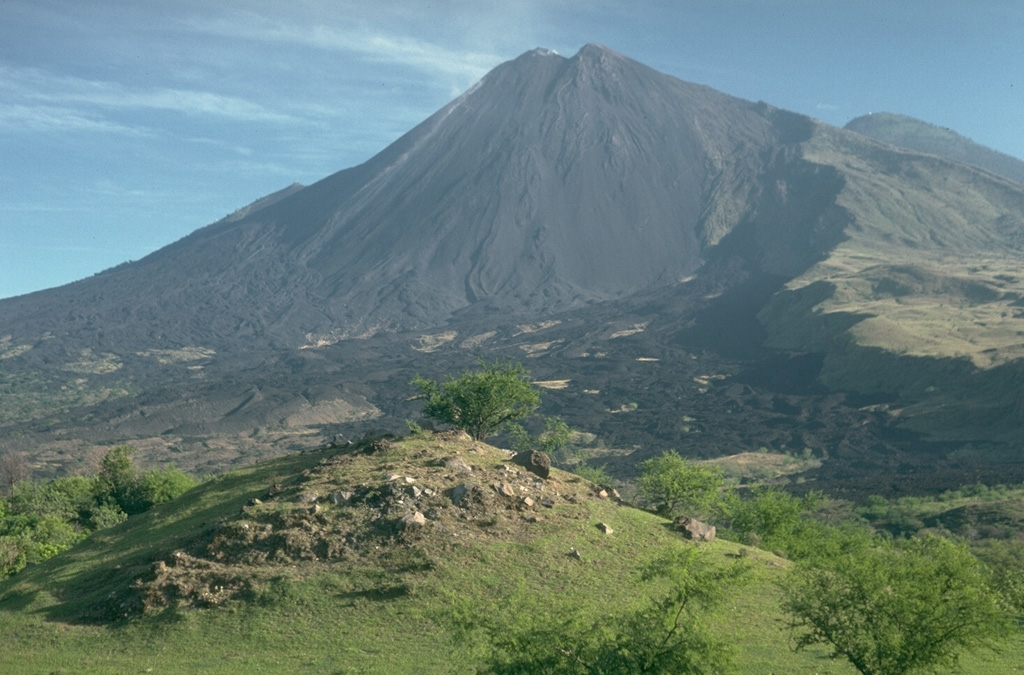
x=318 y=562
x=736 y=275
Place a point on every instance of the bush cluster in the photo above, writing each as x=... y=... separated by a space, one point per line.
x=39 y=519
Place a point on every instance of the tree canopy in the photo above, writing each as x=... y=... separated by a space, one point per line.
x=482 y=401
x=897 y=607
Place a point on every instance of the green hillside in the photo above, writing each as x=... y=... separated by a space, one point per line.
x=303 y=564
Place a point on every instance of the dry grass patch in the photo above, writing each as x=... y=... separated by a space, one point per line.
x=431 y=343
x=553 y=384
x=183 y=355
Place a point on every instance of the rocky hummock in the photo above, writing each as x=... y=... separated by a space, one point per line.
x=357 y=507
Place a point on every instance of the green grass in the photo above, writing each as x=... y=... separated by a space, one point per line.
x=383 y=610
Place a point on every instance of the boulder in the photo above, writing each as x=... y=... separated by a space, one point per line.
x=694 y=529
x=455 y=464
x=340 y=497
x=605 y=527
x=412 y=521
x=535 y=462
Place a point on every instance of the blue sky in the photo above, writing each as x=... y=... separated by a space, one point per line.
x=125 y=125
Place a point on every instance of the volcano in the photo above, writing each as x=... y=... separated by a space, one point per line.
x=550 y=184
x=611 y=212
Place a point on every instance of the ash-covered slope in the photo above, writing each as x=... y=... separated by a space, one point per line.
x=552 y=183
x=914 y=134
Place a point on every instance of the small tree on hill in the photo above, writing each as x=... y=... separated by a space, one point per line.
x=14 y=467
x=671 y=483
x=899 y=607
x=480 y=402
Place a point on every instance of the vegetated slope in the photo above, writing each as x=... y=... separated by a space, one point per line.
x=914 y=134
x=311 y=562
x=921 y=303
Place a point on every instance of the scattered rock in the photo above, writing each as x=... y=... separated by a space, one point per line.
x=413 y=491
x=603 y=494
x=254 y=502
x=605 y=527
x=505 y=489
x=535 y=462
x=548 y=503
x=694 y=529
x=573 y=553
x=465 y=494
x=527 y=502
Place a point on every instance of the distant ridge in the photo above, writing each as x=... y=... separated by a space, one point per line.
x=914 y=134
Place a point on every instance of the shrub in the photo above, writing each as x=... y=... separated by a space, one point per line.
x=162 y=485
x=669 y=634
x=671 y=483
x=773 y=519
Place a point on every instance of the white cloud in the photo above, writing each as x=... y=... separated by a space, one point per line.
x=59 y=92
x=370 y=45
x=55 y=119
